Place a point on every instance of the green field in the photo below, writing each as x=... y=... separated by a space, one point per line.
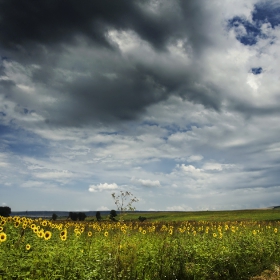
x=215 y=216
x=168 y=245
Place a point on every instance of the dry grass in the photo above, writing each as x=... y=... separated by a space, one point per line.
x=269 y=274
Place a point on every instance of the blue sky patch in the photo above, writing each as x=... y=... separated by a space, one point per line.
x=22 y=142
x=263 y=13
x=256 y=71
x=267 y=12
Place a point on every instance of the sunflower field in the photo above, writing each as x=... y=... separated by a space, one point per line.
x=43 y=249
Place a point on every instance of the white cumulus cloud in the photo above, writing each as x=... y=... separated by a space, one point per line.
x=146 y=183
x=101 y=187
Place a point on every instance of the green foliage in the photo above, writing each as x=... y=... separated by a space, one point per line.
x=54 y=217
x=98 y=216
x=77 y=216
x=142 y=219
x=5 y=211
x=112 y=215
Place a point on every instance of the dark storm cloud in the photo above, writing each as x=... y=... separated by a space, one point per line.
x=57 y=21
x=41 y=32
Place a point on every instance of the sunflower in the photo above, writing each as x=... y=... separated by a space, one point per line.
x=44 y=223
x=1 y=229
x=63 y=238
x=33 y=226
x=63 y=233
x=89 y=233
x=2 y=223
x=27 y=247
x=106 y=233
x=40 y=234
x=47 y=235
x=3 y=237
x=16 y=224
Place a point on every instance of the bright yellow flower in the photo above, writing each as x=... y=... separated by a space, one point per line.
x=27 y=247
x=106 y=233
x=40 y=234
x=16 y=224
x=89 y=233
x=214 y=235
x=44 y=223
x=275 y=230
x=47 y=235
x=1 y=229
x=63 y=238
x=3 y=237
x=144 y=232
x=63 y=233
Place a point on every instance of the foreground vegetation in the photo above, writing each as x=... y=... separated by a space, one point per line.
x=42 y=249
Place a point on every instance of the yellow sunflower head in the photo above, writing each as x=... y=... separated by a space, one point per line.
x=16 y=224
x=3 y=237
x=63 y=238
x=63 y=233
x=40 y=234
x=47 y=235
x=44 y=223
x=28 y=247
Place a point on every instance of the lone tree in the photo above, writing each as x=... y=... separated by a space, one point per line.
x=142 y=219
x=124 y=201
x=98 y=216
x=54 y=217
x=5 y=211
x=113 y=214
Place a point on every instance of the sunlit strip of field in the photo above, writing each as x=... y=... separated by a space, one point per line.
x=222 y=216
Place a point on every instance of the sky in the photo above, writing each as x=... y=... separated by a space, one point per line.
x=177 y=102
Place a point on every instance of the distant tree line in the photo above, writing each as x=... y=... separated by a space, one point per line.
x=77 y=216
x=5 y=211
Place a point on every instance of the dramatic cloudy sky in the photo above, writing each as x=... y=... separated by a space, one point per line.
x=175 y=101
